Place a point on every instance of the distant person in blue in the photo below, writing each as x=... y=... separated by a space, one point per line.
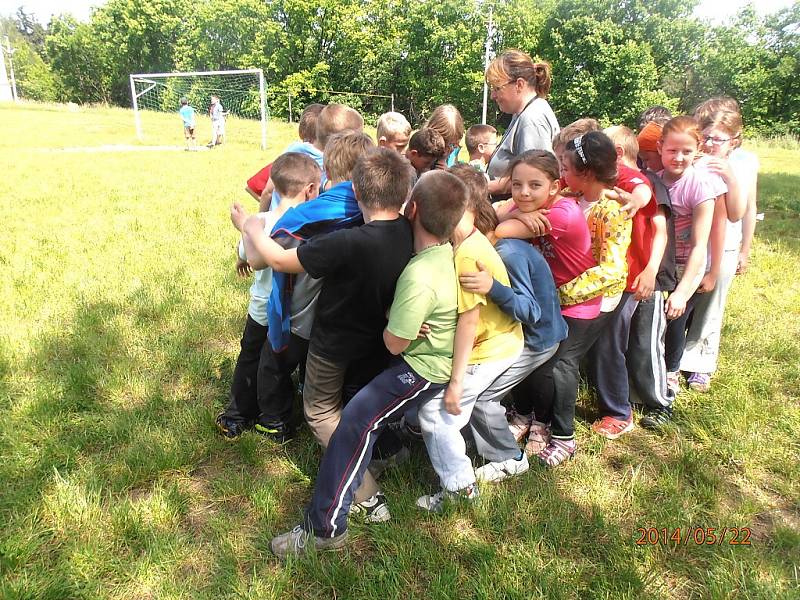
x=187 y=115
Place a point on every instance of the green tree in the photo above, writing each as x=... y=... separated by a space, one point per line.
x=80 y=62
x=33 y=76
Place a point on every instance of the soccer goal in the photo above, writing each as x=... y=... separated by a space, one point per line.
x=241 y=94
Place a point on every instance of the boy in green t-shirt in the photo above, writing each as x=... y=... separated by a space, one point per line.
x=426 y=292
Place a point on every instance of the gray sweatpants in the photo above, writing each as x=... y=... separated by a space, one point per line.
x=493 y=439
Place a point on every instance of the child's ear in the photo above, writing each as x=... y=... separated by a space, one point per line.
x=620 y=151
x=410 y=210
x=382 y=141
x=555 y=187
x=658 y=147
x=311 y=190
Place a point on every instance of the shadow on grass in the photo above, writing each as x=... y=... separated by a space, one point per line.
x=119 y=398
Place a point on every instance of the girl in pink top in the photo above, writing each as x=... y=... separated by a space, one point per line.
x=567 y=248
x=694 y=192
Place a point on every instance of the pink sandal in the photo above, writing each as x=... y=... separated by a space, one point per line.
x=557 y=452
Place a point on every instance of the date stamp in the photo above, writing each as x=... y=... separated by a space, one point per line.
x=698 y=536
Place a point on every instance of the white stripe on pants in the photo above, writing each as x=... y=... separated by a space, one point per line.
x=442 y=431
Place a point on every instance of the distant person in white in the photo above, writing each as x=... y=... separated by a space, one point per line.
x=217 y=114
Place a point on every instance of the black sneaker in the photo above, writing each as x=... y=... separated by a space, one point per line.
x=280 y=433
x=231 y=428
x=372 y=510
x=406 y=431
x=655 y=418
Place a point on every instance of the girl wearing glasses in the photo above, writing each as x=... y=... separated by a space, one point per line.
x=721 y=124
x=520 y=88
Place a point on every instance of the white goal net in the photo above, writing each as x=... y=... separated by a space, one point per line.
x=241 y=94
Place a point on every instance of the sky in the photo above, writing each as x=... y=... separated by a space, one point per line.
x=717 y=10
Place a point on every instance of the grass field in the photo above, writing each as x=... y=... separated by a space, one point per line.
x=120 y=315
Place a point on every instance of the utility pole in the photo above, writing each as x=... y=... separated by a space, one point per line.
x=5 y=88
x=10 y=53
x=487 y=55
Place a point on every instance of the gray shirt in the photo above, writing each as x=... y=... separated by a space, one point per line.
x=532 y=129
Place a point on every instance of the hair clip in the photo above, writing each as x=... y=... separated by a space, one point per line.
x=579 y=149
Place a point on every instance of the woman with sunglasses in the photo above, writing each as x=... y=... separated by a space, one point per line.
x=520 y=88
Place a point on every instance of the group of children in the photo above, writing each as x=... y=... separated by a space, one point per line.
x=411 y=306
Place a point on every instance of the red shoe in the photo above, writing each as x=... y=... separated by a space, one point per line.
x=611 y=428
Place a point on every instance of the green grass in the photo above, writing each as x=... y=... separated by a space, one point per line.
x=120 y=316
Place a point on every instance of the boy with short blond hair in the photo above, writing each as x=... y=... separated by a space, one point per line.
x=481 y=141
x=425 y=147
x=425 y=294
x=331 y=119
x=261 y=390
x=393 y=131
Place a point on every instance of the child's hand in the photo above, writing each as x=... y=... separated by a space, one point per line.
x=628 y=202
x=644 y=285
x=424 y=330
x=536 y=221
x=238 y=215
x=707 y=283
x=676 y=305
x=478 y=283
x=452 y=399
x=742 y=264
x=243 y=268
x=719 y=166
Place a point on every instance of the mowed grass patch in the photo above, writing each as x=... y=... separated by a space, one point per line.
x=120 y=316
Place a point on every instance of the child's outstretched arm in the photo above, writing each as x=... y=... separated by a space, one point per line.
x=261 y=250
x=631 y=202
x=702 y=217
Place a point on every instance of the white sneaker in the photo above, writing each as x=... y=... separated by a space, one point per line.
x=497 y=471
x=372 y=510
x=435 y=502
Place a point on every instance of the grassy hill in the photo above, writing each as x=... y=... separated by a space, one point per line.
x=121 y=313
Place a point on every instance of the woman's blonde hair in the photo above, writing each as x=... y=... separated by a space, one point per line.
x=516 y=64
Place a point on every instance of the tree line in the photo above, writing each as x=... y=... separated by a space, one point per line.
x=611 y=59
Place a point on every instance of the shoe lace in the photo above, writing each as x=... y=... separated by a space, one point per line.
x=300 y=537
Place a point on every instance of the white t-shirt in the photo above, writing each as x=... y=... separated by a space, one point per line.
x=745 y=167
x=262 y=278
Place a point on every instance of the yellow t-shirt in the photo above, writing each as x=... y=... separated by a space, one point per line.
x=498 y=335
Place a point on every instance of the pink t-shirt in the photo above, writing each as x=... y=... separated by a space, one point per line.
x=697 y=185
x=568 y=251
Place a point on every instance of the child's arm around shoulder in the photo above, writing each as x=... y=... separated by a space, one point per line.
x=261 y=250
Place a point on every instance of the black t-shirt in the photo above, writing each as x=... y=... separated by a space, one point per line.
x=666 y=279
x=360 y=267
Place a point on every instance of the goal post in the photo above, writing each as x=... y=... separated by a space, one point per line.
x=242 y=94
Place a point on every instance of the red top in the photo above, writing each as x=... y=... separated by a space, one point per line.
x=258 y=182
x=642 y=230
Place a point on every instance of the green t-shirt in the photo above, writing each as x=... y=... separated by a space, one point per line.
x=427 y=292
